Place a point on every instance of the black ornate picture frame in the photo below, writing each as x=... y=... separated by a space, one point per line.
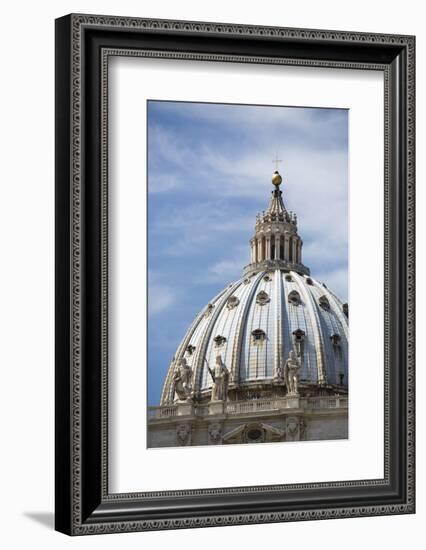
x=84 y=43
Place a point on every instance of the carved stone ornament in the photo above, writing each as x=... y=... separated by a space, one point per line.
x=215 y=433
x=183 y=434
x=254 y=432
x=295 y=428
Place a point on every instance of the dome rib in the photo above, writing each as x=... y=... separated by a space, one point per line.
x=279 y=351
x=238 y=342
x=315 y=323
x=201 y=354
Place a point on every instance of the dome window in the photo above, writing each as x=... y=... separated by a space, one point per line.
x=299 y=335
x=309 y=281
x=335 y=340
x=219 y=341
x=267 y=278
x=294 y=298
x=246 y=280
x=288 y=278
x=324 y=303
x=190 y=349
x=262 y=298
x=345 y=309
x=209 y=309
x=232 y=302
x=258 y=336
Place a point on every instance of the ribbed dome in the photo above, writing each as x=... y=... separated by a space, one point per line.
x=256 y=321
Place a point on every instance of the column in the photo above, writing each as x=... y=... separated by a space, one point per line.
x=268 y=248
x=277 y=247
x=294 y=250
x=286 y=248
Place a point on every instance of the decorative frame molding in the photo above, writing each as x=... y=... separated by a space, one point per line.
x=84 y=43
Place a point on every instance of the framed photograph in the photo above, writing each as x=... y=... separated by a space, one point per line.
x=234 y=274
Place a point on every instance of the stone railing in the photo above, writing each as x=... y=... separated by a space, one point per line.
x=248 y=407
x=162 y=412
x=265 y=265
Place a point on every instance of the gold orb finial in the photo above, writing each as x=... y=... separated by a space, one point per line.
x=276 y=178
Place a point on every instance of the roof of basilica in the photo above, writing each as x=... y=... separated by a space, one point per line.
x=274 y=308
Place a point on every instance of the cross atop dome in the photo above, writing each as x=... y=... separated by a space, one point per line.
x=277 y=161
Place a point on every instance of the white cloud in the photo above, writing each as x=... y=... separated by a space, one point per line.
x=161 y=297
x=228 y=269
x=315 y=183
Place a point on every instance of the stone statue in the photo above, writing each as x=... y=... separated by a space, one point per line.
x=182 y=377
x=220 y=375
x=292 y=367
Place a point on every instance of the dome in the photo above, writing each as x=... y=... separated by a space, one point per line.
x=253 y=324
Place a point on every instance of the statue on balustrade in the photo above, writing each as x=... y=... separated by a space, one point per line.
x=291 y=369
x=220 y=377
x=182 y=381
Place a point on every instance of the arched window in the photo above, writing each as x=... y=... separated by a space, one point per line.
x=290 y=249
x=232 y=302
x=299 y=335
x=258 y=336
x=219 y=341
x=294 y=298
x=190 y=349
x=209 y=309
x=281 y=248
x=272 y=248
x=345 y=309
x=262 y=298
x=324 y=303
x=335 y=340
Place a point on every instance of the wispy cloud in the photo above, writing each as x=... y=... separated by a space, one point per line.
x=161 y=298
x=209 y=169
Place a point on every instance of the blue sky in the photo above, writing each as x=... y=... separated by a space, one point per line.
x=209 y=173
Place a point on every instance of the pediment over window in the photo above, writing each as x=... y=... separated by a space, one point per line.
x=262 y=298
